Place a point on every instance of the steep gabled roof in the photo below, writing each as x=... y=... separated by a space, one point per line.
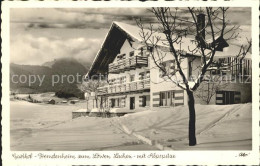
x=131 y=30
x=115 y=38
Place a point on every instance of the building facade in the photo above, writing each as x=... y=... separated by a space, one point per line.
x=136 y=83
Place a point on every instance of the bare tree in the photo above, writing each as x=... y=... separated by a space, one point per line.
x=92 y=86
x=175 y=30
x=209 y=87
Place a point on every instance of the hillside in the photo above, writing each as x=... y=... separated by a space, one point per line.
x=48 y=72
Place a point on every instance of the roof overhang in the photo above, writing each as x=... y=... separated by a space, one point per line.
x=114 y=40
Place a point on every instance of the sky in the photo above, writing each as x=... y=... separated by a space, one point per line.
x=39 y=35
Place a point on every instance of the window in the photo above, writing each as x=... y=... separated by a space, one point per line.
x=112 y=81
x=172 y=98
x=141 y=76
x=120 y=57
x=123 y=80
x=162 y=99
x=144 y=101
x=112 y=104
x=132 y=78
x=144 y=75
x=228 y=97
x=246 y=65
x=123 y=56
x=132 y=53
x=117 y=102
x=167 y=98
x=168 y=68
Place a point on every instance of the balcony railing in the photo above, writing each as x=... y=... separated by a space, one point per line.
x=126 y=87
x=128 y=64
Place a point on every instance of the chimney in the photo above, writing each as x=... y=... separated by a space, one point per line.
x=201 y=25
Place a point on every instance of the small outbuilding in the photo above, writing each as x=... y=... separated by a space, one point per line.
x=51 y=101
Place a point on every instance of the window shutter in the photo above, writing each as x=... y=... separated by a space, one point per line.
x=110 y=103
x=122 y=102
x=148 y=75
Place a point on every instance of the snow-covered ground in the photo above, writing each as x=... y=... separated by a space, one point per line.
x=50 y=127
x=222 y=127
x=26 y=118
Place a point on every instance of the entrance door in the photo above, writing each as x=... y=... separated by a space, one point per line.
x=132 y=103
x=112 y=103
x=143 y=101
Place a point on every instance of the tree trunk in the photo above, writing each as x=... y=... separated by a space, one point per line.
x=87 y=104
x=96 y=101
x=192 y=119
x=208 y=97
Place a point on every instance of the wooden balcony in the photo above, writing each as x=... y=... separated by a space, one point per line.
x=140 y=85
x=128 y=64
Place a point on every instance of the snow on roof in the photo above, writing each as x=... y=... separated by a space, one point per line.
x=80 y=110
x=133 y=31
x=121 y=110
x=231 y=51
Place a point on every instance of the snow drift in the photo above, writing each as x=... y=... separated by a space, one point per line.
x=217 y=127
x=50 y=127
